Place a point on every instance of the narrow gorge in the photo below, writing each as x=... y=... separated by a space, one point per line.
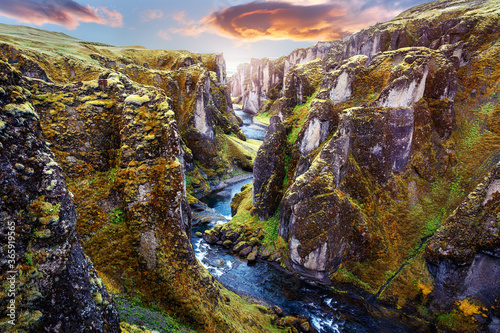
x=352 y=186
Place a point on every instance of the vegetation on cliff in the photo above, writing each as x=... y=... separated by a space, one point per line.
x=399 y=127
x=125 y=126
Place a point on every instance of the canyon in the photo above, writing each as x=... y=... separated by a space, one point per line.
x=377 y=177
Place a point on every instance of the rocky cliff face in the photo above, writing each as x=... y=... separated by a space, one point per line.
x=124 y=126
x=463 y=256
x=50 y=283
x=255 y=81
x=431 y=25
x=384 y=138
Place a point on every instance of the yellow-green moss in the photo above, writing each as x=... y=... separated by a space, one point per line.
x=21 y=110
x=137 y=100
x=46 y=212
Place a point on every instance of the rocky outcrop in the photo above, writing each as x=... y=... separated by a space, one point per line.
x=463 y=257
x=255 y=81
x=142 y=195
x=269 y=170
x=398 y=130
x=51 y=285
x=340 y=83
x=375 y=140
x=301 y=82
x=301 y=56
x=372 y=143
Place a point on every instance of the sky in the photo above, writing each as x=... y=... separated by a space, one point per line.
x=239 y=28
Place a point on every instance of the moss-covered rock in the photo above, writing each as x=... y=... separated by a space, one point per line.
x=49 y=282
x=399 y=131
x=463 y=257
x=269 y=170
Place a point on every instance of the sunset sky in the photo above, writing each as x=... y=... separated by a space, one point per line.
x=239 y=28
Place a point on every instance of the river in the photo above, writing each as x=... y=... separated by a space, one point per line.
x=251 y=129
x=327 y=312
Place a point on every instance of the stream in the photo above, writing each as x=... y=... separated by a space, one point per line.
x=251 y=129
x=327 y=312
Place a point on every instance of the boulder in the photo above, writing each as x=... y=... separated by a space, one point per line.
x=245 y=252
x=252 y=256
x=240 y=246
x=265 y=254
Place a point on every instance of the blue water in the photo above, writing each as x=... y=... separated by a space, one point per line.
x=250 y=129
x=221 y=200
x=263 y=281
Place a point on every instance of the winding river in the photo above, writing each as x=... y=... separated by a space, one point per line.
x=271 y=285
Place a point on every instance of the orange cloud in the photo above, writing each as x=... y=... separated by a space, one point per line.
x=289 y=19
x=62 y=12
x=279 y=20
x=151 y=14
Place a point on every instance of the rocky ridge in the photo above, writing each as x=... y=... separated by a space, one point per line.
x=430 y=25
x=376 y=155
x=196 y=85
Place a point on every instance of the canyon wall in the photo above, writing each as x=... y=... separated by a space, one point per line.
x=130 y=131
x=373 y=169
x=51 y=283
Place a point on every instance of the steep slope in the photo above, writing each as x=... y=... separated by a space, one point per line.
x=383 y=137
x=51 y=284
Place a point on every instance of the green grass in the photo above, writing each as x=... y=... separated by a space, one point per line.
x=271 y=226
x=264 y=118
x=487 y=108
x=116 y=216
x=352 y=278
x=134 y=312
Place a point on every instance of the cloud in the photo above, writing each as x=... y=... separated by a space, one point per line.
x=62 y=12
x=189 y=27
x=151 y=14
x=311 y=20
x=110 y=17
x=163 y=34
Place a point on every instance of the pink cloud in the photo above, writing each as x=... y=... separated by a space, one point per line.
x=151 y=14
x=109 y=17
x=67 y=13
x=164 y=35
x=189 y=27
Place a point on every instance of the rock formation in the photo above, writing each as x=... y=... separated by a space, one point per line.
x=255 y=81
x=463 y=257
x=51 y=284
x=386 y=134
x=124 y=126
